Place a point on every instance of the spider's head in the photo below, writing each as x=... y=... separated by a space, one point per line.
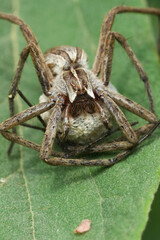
x=77 y=83
x=70 y=64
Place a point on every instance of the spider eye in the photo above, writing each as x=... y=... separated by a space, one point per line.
x=54 y=74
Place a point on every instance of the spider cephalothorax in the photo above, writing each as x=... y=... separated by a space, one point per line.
x=78 y=105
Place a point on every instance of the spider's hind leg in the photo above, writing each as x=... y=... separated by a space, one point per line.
x=14 y=89
x=120 y=144
x=106 y=65
x=104 y=162
x=14 y=85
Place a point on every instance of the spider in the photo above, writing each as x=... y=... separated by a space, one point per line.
x=78 y=105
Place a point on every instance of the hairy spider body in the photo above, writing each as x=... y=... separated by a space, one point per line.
x=85 y=117
x=79 y=105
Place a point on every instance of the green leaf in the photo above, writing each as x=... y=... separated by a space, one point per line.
x=42 y=202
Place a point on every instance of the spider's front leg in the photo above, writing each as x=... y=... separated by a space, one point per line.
x=26 y=115
x=112 y=100
x=51 y=128
x=43 y=72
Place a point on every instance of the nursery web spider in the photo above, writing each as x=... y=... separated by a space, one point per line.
x=76 y=106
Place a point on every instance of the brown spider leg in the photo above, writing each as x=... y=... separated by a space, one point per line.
x=118 y=144
x=119 y=116
x=26 y=143
x=107 y=134
x=43 y=72
x=13 y=89
x=30 y=105
x=54 y=161
x=132 y=106
x=106 y=67
x=59 y=159
x=26 y=115
x=107 y=62
x=107 y=26
x=12 y=92
x=142 y=74
x=26 y=125
x=51 y=128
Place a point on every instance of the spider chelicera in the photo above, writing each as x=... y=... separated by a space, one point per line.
x=77 y=107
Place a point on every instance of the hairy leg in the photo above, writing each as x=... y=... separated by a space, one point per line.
x=51 y=128
x=106 y=65
x=117 y=144
x=43 y=72
x=107 y=26
x=26 y=115
x=118 y=115
x=132 y=106
x=99 y=162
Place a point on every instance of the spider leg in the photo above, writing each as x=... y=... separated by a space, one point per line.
x=106 y=66
x=59 y=158
x=99 y=162
x=118 y=144
x=12 y=92
x=22 y=117
x=119 y=116
x=142 y=74
x=107 y=26
x=26 y=115
x=43 y=72
x=30 y=105
x=107 y=62
x=26 y=143
x=14 y=88
x=132 y=106
x=51 y=128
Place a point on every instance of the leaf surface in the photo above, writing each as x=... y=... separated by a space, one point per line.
x=42 y=202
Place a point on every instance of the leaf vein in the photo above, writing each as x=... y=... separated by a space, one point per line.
x=100 y=203
x=15 y=47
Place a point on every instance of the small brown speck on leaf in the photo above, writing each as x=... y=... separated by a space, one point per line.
x=84 y=226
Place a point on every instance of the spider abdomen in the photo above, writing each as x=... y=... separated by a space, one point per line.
x=83 y=129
